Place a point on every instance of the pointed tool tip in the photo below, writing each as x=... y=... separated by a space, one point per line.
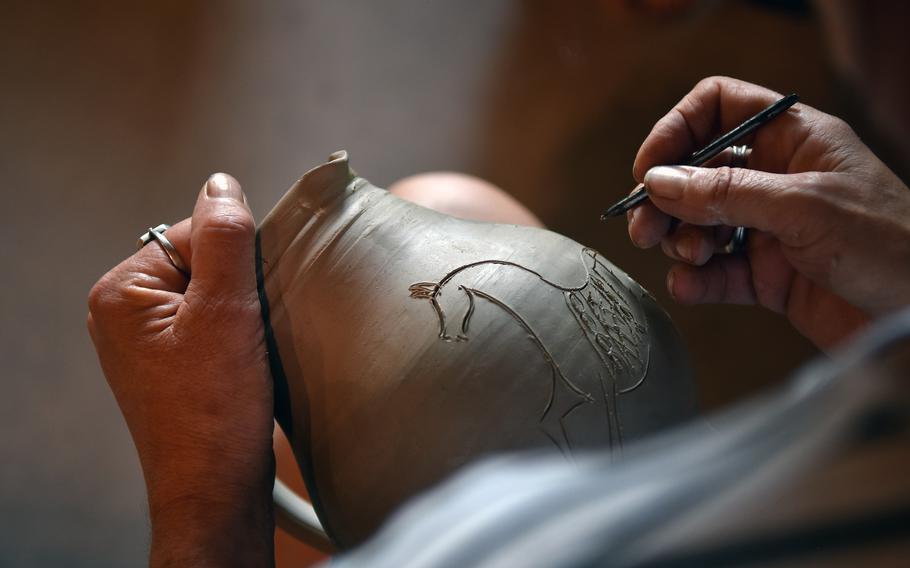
x=617 y=209
x=638 y=195
x=610 y=213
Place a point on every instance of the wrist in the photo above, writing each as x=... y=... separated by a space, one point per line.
x=198 y=530
x=201 y=517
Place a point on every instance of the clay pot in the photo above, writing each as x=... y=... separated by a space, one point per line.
x=405 y=343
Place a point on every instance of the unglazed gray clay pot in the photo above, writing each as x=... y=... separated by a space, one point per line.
x=405 y=343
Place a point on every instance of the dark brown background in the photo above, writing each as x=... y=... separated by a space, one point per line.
x=111 y=117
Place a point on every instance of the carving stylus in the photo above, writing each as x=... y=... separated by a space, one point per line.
x=639 y=194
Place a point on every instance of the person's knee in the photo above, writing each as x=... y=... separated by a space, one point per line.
x=464 y=196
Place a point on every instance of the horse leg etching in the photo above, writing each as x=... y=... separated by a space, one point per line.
x=565 y=396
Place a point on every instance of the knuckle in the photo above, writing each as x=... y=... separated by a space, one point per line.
x=809 y=182
x=835 y=136
x=102 y=296
x=711 y=83
x=717 y=185
x=809 y=191
x=838 y=127
x=119 y=293
x=712 y=87
x=229 y=225
x=705 y=83
x=666 y=130
x=803 y=217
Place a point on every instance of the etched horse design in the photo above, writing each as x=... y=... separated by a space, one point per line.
x=605 y=317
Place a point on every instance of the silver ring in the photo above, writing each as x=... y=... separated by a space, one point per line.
x=740 y=156
x=157 y=234
x=737 y=244
x=739 y=159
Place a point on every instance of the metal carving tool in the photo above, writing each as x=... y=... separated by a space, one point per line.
x=640 y=193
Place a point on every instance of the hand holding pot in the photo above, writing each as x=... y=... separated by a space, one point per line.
x=829 y=245
x=185 y=359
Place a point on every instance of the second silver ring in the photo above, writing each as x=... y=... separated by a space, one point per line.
x=740 y=157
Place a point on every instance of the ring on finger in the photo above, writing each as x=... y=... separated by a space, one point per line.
x=157 y=234
x=737 y=243
x=739 y=157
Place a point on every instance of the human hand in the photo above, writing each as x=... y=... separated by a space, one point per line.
x=830 y=239
x=186 y=361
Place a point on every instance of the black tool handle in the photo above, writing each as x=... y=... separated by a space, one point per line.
x=714 y=148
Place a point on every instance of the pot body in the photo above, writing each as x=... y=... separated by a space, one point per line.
x=405 y=343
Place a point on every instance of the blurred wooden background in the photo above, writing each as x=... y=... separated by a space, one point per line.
x=112 y=114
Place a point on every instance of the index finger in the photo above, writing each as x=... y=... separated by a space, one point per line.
x=717 y=105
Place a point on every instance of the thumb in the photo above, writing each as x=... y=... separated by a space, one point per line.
x=222 y=239
x=730 y=196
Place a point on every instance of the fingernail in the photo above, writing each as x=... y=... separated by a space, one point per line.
x=222 y=185
x=670 y=281
x=667 y=182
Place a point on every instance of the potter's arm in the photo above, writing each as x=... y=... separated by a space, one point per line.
x=184 y=356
